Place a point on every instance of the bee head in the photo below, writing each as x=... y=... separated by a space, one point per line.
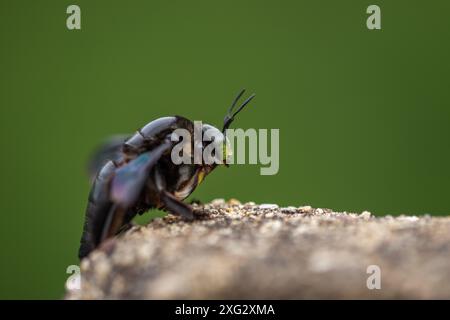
x=216 y=146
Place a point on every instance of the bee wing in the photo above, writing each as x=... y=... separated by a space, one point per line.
x=110 y=149
x=130 y=179
x=114 y=192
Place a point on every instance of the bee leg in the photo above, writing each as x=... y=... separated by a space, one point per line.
x=175 y=206
x=126 y=227
x=113 y=223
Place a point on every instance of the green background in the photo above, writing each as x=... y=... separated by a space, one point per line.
x=363 y=115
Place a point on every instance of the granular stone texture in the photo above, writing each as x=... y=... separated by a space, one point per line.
x=249 y=251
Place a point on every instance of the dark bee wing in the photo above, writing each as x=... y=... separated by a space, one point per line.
x=127 y=185
x=130 y=179
x=114 y=192
x=110 y=149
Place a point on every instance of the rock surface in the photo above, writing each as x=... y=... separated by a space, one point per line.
x=234 y=251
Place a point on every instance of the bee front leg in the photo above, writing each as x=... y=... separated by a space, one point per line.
x=175 y=206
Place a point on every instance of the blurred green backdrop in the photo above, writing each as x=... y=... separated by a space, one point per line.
x=363 y=115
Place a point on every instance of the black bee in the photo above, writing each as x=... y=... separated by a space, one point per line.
x=139 y=174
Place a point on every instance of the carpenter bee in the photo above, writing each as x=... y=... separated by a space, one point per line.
x=138 y=174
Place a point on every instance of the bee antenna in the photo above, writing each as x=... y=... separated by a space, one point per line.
x=230 y=109
x=230 y=116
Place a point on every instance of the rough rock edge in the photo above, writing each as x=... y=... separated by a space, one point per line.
x=235 y=250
